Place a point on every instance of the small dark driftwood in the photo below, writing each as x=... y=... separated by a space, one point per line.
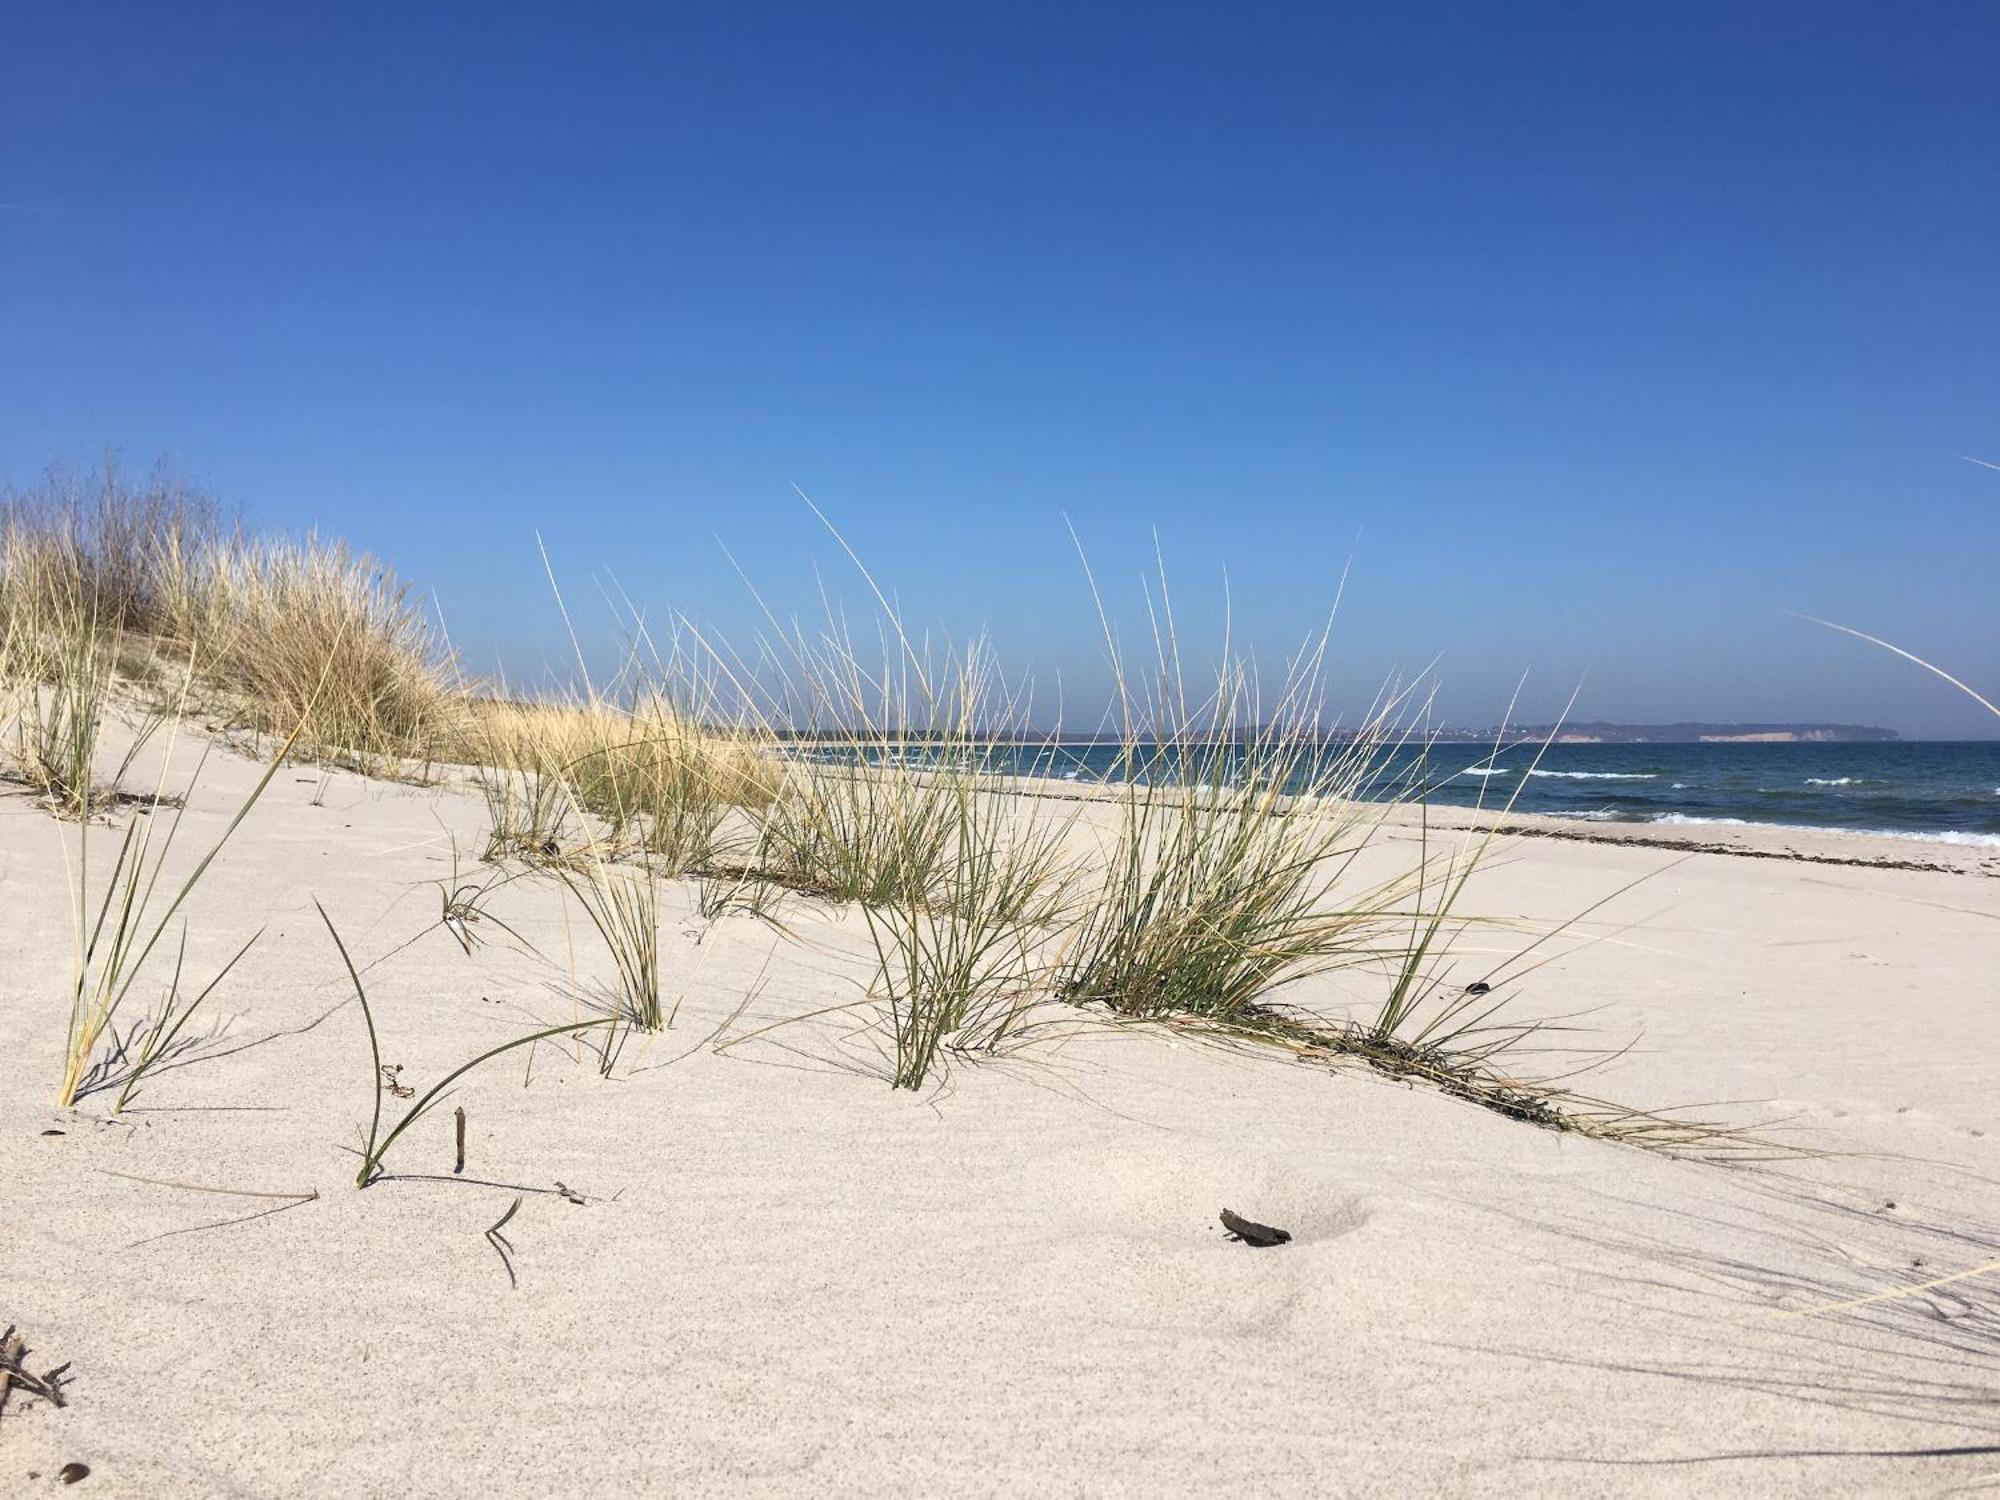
x=1250 y=1232
x=14 y=1374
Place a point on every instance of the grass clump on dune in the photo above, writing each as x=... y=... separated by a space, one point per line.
x=1226 y=877
x=519 y=753
x=623 y=904
x=649 y=778
x=1231 y=877
x=275 y=635
x=852 y=823
x=115 y=943
x=955 y=965
x=61 y=647
x=261 y=621
x=58 y=684
x=962 y=875
x=104 y=539
x=1238 y=822
x=892 y=801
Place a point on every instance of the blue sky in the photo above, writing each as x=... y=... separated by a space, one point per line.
x=1613 y=332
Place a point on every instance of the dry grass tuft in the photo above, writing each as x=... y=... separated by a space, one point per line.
x=262 y=621
x=273 y=634
x=558 y=777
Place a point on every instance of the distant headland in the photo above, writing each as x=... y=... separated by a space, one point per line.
x=1593 y=732
x=1693 y=732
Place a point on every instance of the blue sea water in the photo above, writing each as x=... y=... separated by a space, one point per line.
x=1946 y=792
x=1938 y=791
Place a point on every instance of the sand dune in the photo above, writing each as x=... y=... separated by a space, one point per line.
x=786 y=1278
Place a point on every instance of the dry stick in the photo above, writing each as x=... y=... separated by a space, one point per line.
x=459 y=1166
x=13 y=1372
x=502 y=1246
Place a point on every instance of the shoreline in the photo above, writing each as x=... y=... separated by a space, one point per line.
x=1778 y=841
x=1825 y=846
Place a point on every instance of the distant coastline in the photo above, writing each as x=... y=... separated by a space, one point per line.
x=1692 y=732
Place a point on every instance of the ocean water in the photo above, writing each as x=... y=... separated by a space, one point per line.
x=1947 y=792
x=1936 y=791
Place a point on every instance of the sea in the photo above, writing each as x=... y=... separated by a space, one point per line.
x=1945 y=792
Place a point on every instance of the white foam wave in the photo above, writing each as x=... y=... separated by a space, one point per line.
x=1599 y=775
x=1958 y=838
x=1835 y=780
x=1488 y=770
x=1595 y=815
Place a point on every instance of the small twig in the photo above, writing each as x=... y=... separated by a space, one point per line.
x=14 y=1372
x=502 y=1246
x=459 y=1115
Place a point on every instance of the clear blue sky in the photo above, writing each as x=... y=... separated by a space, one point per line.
x=1615 y=331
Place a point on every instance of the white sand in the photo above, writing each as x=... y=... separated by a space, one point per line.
x=789 y=1279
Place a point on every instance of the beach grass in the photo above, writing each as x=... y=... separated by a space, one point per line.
x=622 y=903
x=1227 y=878
x=287 y=633
x=63 y=671
x=273 y=634
x=891 y=802
x=62 y=652
x=133 y=913
x=645 y=777
x=985 y=878
x=376 y=1142
x=1239 y=819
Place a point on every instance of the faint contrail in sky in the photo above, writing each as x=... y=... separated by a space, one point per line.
x=1876 y=640
x=1980 y=461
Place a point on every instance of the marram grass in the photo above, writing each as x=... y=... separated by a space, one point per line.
x=376 y=1143
x=132 y=914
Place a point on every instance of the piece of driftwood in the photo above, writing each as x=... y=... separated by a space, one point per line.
x=14 y=1373
x=1250 y=1232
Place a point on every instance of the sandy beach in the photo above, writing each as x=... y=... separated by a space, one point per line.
x=963 y=751
x=744 y=1264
